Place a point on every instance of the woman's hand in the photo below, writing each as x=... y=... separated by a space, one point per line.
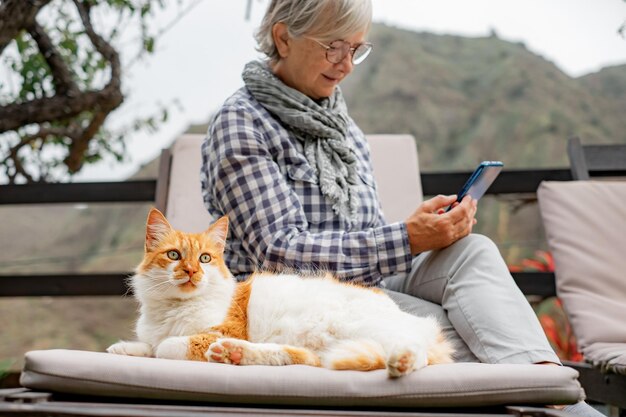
x=430 y=227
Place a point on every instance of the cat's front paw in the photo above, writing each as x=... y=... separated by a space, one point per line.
x=227 y=350
x=403 y=361
x=131 y=349
x=173 y=348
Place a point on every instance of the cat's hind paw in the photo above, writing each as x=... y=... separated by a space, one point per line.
x=131 y=349
x=226 y=351
x=404 y=361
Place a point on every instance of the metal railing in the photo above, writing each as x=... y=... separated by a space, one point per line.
x=520 y=181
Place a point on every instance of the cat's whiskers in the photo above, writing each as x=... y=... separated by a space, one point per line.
x=159 y=285
x=160 y=280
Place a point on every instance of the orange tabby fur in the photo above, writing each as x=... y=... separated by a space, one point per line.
x=236 y=322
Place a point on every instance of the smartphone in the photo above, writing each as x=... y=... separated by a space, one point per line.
x=480 y=180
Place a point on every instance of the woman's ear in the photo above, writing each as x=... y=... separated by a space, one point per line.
x=281 y=39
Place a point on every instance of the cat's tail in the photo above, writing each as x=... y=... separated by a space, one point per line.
x=354 y=355
x=440 y=351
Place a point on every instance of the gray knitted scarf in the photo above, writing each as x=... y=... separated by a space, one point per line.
x=321 y=127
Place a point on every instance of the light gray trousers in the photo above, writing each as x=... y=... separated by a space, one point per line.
x=468 y=288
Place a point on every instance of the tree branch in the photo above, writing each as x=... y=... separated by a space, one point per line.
x=80 y=145
x=13 y=116
x=15 y=15
x=72 y=114
x=46 y=109
x=43 y=133
x=63 y=81
x=102 y=46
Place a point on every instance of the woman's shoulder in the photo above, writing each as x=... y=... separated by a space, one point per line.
x=241 y=111
x=242 y=101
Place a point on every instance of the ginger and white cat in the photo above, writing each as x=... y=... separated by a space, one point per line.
x=192 y=308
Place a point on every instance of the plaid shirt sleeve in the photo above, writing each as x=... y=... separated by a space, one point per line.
x=276 y=218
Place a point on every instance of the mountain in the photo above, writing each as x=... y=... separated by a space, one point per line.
x=471 y=99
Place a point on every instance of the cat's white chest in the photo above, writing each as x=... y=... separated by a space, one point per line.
x=181 y=318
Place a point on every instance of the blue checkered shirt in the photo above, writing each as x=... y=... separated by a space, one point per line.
x=255 y=171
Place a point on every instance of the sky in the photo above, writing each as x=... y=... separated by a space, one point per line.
x=198 y=60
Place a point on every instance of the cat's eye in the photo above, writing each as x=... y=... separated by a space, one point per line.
x=173 y=255
x=205 y=258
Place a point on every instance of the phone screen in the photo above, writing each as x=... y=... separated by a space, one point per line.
x=480 y=180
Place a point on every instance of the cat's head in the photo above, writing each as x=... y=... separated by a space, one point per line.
x=178 y=264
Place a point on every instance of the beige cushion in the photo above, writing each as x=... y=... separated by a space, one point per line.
x=463 y=384
x=184 y=208
x=585 y=223
x=609 y=357
x=394 y=158
x=397 y=174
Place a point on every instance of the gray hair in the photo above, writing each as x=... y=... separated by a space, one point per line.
x=324 y=20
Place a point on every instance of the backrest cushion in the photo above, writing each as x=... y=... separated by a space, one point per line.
x=585 y=224
x=396 y=169
x=394 y=158
x=185 y=209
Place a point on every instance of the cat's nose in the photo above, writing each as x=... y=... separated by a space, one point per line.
x=190 y=270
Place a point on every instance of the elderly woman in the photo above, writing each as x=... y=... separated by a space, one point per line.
x=290 y=168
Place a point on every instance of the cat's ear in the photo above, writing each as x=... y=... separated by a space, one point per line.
x=218 y=231
x=157 y=227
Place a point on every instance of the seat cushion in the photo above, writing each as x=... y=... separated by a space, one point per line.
x=585 y=224
x=609 y=357
x=462 y=384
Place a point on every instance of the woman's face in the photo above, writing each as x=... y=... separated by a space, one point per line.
x=303 y=66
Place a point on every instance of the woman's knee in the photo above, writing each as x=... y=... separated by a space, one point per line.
x=475 y=243
x=481 y=252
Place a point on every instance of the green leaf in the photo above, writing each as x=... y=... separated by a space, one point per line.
x=149 y=44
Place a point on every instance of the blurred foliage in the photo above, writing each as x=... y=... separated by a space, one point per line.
x=550 y=311
x=5 y=367
x=59 y=146
x=558 y=330
x=542 y=262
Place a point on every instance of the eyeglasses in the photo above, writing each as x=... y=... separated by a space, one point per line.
x=337 y=51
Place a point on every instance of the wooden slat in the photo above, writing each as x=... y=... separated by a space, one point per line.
x=596 y=160
x=92 y=192
x=605 y=157
x=531 y=283
x=509 y=181
x=63 y=285
x=536 y=283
